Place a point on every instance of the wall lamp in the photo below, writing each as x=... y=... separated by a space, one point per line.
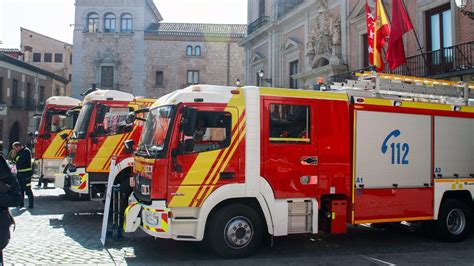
x=261 y=74
x=461 y=4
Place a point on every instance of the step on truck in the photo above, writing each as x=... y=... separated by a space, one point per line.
x=99 y=133
x=231 y=164
x=55 y=125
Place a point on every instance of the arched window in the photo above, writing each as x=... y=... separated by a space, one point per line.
x=109 y=23
x=189 y=50
x=197 y=50
x=126 y=23
x=93 y=22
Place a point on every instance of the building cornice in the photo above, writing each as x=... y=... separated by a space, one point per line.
x=33 y=68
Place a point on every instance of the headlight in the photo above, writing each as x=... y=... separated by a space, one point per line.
x=145 y=189
x=147 y=171
x=76 y=180
x=152 y=218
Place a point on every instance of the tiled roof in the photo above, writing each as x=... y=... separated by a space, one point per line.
x=198 y=29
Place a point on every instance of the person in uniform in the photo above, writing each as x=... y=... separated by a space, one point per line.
x=24 y=172
x=10 y=196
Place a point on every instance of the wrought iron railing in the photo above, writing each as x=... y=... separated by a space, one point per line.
x=442 y=62
x=259 y=22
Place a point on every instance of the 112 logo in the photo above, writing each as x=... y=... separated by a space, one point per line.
x=399 y=151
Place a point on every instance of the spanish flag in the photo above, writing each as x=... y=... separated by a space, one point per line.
x=382 y=31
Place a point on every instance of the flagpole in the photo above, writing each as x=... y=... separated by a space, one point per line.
x=416 y=35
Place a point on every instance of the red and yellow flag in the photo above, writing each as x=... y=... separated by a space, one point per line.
x=381 y=32
x=370 y=31
x=401 y=24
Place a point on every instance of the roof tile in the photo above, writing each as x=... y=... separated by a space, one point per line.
x=198 y=29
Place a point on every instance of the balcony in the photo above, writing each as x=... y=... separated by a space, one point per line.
x=443 y=63
x=259 y=22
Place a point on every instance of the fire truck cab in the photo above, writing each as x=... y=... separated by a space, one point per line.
x=99 y=134
x=231 y=164
x=55 y=126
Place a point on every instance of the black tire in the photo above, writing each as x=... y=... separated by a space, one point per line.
x=454 y=221
x=235 y=231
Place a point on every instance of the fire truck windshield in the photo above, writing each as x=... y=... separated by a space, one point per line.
x=57 y=120
x=82 y=123
x=155 y=132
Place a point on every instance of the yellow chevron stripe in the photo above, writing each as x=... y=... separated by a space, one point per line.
x=104 y=153
x=54 y=148
x=202 y=165
x=216 y=178
x=226 y=156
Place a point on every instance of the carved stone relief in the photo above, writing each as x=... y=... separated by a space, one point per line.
x=324 y=38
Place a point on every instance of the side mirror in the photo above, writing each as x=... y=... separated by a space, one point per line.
x=63 y=136
x=70 y=113
x=190 y=117
x=188 y=146
x=72 y=168
x=129 y=146
x=130 y=118
x=101 y=110
x=176 y=166
x=143 y=110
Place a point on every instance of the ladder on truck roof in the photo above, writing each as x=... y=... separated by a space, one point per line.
x=376 y=85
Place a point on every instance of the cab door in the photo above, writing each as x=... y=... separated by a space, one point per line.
x=108 y=133
x=210 y=160
x=289 y=147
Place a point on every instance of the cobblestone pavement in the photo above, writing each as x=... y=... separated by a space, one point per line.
x=59 y=231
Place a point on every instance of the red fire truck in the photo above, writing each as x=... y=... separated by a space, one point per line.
x=54 y=126
x=232 y=164
x=98 y=135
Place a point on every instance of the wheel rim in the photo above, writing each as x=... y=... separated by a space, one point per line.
x=238 y=232
x=456 y=221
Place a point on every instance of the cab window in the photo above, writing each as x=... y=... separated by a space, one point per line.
x=57 y=121
x=112 y=120
x=289 y=123
x=212 y=131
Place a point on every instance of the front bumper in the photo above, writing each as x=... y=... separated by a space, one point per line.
x=78 y=181
x=152 y=219
x=49 y=168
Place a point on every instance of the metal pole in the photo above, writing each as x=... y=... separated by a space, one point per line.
x=466 y=94
x=416 y=35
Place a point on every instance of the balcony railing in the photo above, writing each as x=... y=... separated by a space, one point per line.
x=440 y=63
x=259 y=22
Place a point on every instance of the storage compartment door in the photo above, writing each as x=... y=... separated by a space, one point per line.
x=393 y=166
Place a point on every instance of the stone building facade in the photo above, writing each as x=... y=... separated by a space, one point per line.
x=124 y=45
x=23 y=90
x=296 y=42
x=47 y=53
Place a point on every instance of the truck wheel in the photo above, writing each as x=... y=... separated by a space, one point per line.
x=454 y=221
x=235 y=231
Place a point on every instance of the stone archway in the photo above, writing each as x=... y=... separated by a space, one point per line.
x=14 y=134
x=320 y=61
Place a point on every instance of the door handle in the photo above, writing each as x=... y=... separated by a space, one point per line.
x=309 y=160
x=227 y=175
